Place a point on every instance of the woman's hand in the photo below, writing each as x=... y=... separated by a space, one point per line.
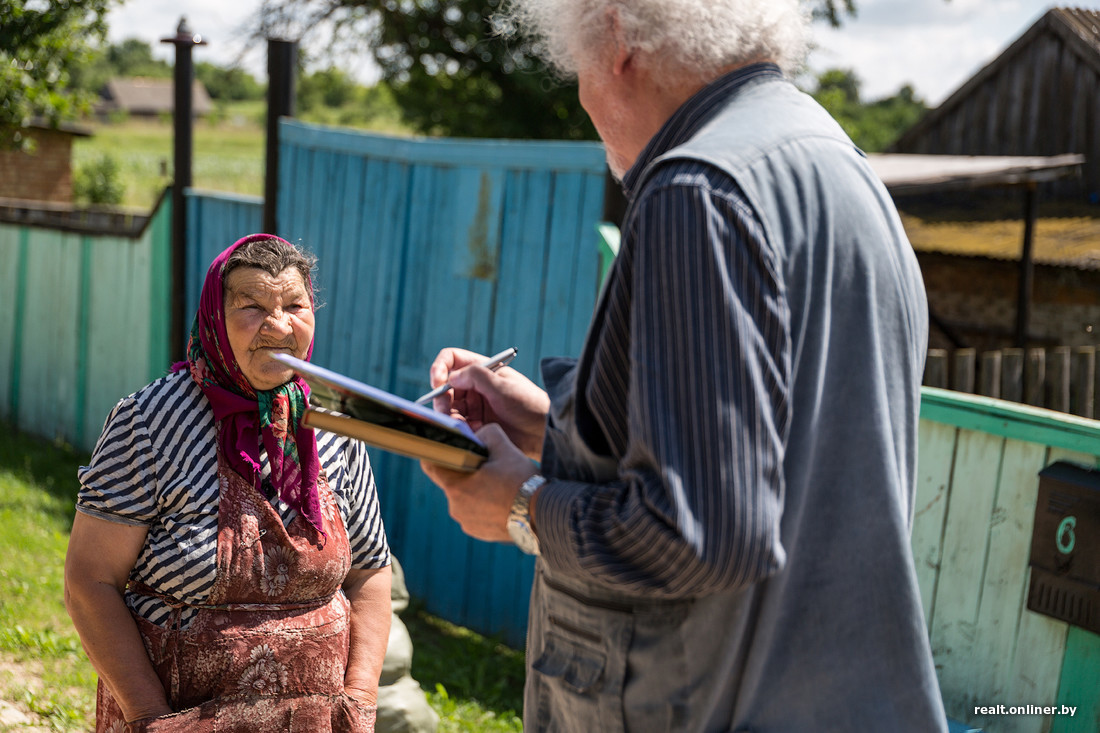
x=481 y=397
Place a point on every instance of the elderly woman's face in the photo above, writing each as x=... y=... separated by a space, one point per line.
x=266 y=315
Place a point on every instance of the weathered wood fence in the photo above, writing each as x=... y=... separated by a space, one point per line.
x=1062 y=378
x=977 y=489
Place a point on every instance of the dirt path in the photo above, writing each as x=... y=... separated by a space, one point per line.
x=15 y=715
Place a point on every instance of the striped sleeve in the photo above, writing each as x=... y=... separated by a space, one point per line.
x=363 y=517
x=119 y=483
x=699 y=496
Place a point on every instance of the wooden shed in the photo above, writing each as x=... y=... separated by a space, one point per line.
x=145 y=97
x=44 y=172
x=1041 y=96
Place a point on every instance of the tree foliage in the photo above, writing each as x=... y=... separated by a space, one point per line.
x=873 y=126
x=451 y=74
x=132 y=57
x=230 y=83
x=41 y=43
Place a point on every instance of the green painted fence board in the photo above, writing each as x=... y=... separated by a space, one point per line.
x=955 y=614
x=1010 y=420
x=1004 y=584
x=988 y=648
x=10 y=310
x=50 y=336
x=85 y=316
x=119 y=330
x=1080 y=684
x=935 y=460
x=158 y=238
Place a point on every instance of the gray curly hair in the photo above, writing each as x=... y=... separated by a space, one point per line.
x=682 y=37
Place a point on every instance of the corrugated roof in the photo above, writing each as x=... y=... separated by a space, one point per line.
x=905 y=173
x=141 y=95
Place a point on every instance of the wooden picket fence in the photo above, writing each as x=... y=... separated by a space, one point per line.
x=1061 y=378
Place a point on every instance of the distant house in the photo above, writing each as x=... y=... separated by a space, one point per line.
x=144 y=97
x=45 y=173
x=1041 y=96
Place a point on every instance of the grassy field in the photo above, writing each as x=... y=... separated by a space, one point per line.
x=474 y=683
x=228 y=149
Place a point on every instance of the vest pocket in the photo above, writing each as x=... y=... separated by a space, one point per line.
x=578 y=668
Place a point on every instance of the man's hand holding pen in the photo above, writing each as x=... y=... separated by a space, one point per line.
x=508 y=412
x=481 y=396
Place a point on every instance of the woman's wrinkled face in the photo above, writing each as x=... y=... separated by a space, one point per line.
x=266 y=315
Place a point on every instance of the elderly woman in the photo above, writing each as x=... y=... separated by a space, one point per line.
x=228 y=568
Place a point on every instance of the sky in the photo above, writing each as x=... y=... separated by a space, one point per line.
x=933 y=45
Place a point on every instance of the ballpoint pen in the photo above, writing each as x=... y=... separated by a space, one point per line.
x=492 y=363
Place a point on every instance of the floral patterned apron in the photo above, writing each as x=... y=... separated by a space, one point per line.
x=268 y=650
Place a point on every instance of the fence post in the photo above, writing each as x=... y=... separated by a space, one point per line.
x=965 y=364
x=1035 y=392
x=1081 y=391
x=282 y=60
x=183 y=81
x=1012 y=375
x=1059 y=378
x=935 y=369
x=991 y=374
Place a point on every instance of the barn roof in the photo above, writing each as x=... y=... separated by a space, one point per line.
x=1078 y=28
x=142 y=95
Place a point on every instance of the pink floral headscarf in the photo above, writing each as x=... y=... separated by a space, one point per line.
x=246 y=416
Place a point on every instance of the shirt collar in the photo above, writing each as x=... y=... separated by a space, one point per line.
x=692 y=115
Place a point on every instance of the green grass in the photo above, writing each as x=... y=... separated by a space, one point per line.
x=473 y=682
x=228 y=148
x=37 y=491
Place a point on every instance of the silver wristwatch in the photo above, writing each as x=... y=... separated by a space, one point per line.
x=519 y=519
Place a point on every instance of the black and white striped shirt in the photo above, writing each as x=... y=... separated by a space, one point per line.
x=155 y=465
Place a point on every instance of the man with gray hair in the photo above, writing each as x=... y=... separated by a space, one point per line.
x=725 y=490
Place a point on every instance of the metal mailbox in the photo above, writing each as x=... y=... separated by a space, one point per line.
x=1065 y=546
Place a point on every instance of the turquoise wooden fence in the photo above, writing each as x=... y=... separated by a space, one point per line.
x=83 y=322
x=425 y=244
x=978 y=481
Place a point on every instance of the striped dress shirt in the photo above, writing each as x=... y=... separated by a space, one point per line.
x=690 y=365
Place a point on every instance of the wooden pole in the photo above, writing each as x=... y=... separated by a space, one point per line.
x=1027 y=265
x=183 y=79
x=282 y=68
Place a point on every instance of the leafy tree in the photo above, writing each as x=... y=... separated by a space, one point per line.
x=99 y=181
x=448 y=71
x=872 y=126
x=329 y=87
x=228 y=83
x=134 y=57
x=40 y=45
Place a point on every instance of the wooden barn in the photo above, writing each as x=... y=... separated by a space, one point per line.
x=144 y=97
x=1041 y=96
